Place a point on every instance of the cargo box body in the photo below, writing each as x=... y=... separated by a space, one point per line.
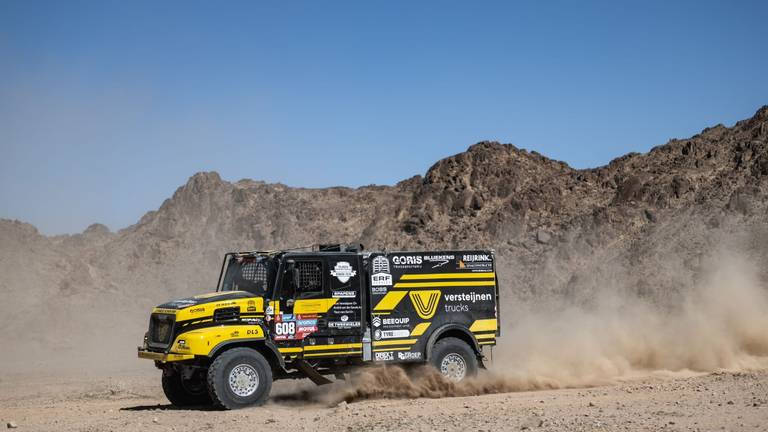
x=416 y=296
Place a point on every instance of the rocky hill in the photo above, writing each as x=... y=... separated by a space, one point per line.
x=644 y=223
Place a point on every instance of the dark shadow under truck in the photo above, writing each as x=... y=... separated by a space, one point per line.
x=310 y=314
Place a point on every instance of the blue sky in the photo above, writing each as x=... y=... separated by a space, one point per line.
x=106 y=107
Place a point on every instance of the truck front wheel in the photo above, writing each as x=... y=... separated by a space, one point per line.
x=454 y=359
x=239 y=378
x=185 y=391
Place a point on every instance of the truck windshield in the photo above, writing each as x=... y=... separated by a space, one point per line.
x=252 y=274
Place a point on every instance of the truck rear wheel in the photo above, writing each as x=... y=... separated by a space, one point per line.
x=182 y=391
x=454 y=359
x=239 y=378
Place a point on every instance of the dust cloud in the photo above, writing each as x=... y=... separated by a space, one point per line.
x=720 y=323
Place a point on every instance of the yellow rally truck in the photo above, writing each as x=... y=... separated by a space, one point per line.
x=320 y=312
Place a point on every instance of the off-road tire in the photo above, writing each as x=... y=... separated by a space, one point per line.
x=447 y=349
x=219 y=374
x=185 y=393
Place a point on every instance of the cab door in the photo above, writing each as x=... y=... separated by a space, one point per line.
x=302 y=299
x=345 y=276
x=319 y=305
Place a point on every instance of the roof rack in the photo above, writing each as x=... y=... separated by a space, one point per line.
x=340 y=247
x=329 y=247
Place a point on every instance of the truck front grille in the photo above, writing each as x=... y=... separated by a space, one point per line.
x=161 y=330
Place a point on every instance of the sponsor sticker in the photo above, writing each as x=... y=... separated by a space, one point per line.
x=346 y=308
x=462 y=302
x=166 y=311
x=400 y=321
x=482 y=262
x=343 y=271
x=461 y=307
x=288 y=328
x=381 y=276
x=381 y=279
x=477 y=258
x=471 y=297
x=380 y=289
x=425 y=302
x=343 y=324
x=380 y=264
x=229 y=303
x=384 y=356
x=407 y=355
x=392 y=334
x=285 y=328
x=437 y=261
x=407 y=261
x=376 y=321
x=344 y=294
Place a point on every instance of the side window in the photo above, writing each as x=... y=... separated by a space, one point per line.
x=310 y=277
x=247 y=274
x=253 y=277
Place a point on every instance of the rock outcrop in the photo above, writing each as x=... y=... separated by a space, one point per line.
x=643 y=222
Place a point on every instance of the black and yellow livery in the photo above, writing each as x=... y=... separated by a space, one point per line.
x=309 y=314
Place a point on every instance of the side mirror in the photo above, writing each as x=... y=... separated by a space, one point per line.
x=294 y=274
x=290 y=302
x=296 y=278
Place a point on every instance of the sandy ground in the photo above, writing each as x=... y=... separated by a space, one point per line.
x=133 y=401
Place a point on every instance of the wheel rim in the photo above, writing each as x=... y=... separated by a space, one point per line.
x=453 y=367
x=243 y=380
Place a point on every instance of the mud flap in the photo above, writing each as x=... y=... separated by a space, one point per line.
x=311 y=373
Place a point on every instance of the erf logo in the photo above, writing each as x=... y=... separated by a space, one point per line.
x=381 y=275
x=381 y=279
x=406 y=260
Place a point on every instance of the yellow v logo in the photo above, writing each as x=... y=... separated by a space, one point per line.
x=425 y=302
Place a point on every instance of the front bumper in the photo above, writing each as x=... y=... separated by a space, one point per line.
x=163 y=357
